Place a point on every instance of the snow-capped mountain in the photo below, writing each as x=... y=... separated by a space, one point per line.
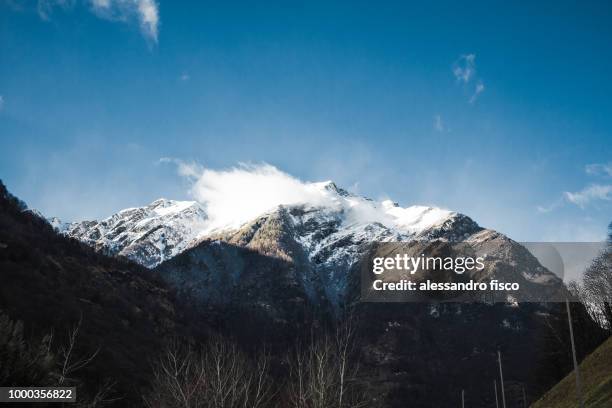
x=329 y=240
x=159 y=231
x=321 y=239
x=148 y=235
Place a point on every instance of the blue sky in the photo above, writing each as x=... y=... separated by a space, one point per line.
x=500 y=111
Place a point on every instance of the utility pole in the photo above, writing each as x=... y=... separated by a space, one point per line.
x=524 y=397
x=576 y=369
x=495 y=388
x=462 y=398
x=501 y=379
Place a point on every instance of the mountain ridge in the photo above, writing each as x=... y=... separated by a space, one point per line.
x=147 y=235
x=164 y=228
x=323 y=240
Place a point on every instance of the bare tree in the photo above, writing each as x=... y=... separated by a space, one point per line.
x=178 y=378
x=69 y=361
x=597 y=286
x=216 y=375
x=103 y=396
x=234 y=380
x=28 y=362
x=589 y=302
x=323 y=374
x=595 y=292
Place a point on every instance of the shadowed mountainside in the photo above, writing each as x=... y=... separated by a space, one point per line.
x=50 y=282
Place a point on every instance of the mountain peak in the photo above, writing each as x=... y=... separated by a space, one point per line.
x=332 y=187
x=164 y=206
x=148 y=235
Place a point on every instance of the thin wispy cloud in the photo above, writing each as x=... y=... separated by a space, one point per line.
x=190 y=170
x=594 y=192
x=146 y=12
x=185 y=77
x=464 y=70
x=548 y=208
x=591 y=194
x=479 y=89
x=1 y=102
x=544 y=210
x=143 y=12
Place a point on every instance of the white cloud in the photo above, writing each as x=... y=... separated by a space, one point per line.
x=145 y=11
x=257 y=178
x=190 y=170
x=479 y=89
x=598 y=169
x=594 y=192
x=546 y=209
x=589 y=194
x=1 y=102
x=149 y=17
x=240 y=194
x=185 y=77
x=465 y=68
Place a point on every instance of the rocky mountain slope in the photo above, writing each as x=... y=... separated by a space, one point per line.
x=158 y=231
x=147 y=235
x=322 y=240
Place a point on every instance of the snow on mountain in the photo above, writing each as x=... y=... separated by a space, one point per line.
x=148 y=235
x=357 y=220
x=58 y=225
x=333 y=237
x=323 y=237
x=327 y=216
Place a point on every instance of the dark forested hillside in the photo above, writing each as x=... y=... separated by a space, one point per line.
x=51 y=283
